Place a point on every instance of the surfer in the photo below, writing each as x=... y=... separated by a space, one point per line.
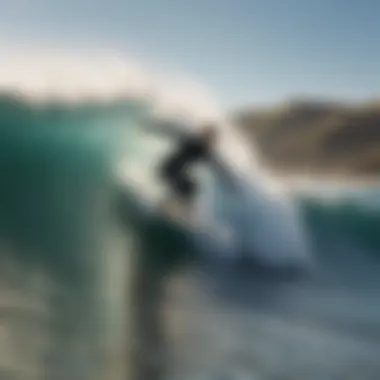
x=174 y=170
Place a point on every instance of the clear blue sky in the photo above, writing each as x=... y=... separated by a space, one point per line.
x=247 y=50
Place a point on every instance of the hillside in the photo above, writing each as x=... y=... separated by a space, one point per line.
x=318 y=137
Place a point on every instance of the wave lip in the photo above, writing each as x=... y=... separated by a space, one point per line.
x=71 y=76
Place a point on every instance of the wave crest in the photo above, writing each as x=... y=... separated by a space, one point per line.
x=43 y=75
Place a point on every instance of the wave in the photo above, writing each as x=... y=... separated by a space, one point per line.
x=114 y=128
x=100 y=100
x=68 y=164
x=351 y=216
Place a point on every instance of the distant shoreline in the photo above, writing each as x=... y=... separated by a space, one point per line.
x=317 y=137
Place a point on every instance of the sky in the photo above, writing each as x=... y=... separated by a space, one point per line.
x=247 y=51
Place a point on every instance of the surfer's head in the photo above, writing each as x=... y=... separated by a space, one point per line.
x=209 y=132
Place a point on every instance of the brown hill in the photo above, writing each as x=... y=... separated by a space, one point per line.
x=322 y=137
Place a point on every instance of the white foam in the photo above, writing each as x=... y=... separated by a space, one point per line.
x=72 y=76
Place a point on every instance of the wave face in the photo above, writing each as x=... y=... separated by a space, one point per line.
x=351 y=215
x=57 y=180
x=63 y=250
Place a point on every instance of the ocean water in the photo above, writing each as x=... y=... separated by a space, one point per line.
x=289 y=292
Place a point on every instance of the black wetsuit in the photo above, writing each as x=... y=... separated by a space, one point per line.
x=174 y=170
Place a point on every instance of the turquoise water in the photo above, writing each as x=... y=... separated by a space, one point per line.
x=353 y=218
x=56 y=203
x=59 y=204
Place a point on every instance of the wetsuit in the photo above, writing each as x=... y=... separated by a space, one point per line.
x=174 y=170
